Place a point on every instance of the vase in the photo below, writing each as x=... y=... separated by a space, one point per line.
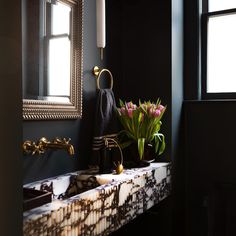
x=132 y=159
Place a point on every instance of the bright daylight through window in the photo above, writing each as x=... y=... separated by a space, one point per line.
x=220 y=47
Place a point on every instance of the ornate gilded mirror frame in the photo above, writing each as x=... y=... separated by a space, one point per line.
x=43 y=110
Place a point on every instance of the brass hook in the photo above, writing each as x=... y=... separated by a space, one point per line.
x=97 y=72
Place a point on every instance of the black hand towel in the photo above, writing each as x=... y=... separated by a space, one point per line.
x=106 y=125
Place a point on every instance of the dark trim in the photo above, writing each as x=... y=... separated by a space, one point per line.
x=219 y=96
x=59 y=36
x=192 y=48
x=205 y=6
x=210 y=101
x=204 y=24
x=222 y=12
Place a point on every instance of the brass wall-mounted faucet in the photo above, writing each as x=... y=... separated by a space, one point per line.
x=30 y=147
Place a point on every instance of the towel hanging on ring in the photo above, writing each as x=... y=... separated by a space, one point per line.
x=106 y=121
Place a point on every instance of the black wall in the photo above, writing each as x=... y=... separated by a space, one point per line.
x=80 y=131
x=210 y=162
x=10 y=119
x=139 y=54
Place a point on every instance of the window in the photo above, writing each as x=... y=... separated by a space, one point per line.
x=219 y=49
x=58 y=47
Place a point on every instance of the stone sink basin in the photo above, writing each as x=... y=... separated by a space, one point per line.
x=88 y=203
x=67 y=185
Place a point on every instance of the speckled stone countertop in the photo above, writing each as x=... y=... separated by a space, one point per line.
x=85 y=203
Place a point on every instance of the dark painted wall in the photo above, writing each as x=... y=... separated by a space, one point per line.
x=10 y=119
x=140 y=54
x=210 y=159
x=80 y=131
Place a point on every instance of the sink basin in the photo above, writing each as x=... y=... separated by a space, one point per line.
x=34 y=198
x=63 y=187
x=78 y=184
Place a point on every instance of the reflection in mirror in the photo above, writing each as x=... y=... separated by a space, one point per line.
x=51 y=58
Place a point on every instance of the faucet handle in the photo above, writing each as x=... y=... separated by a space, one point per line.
x=30 y=147
x=66 y=141
x=57 y=140
x=62 y=141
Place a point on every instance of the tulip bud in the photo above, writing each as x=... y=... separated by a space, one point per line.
x=161 y=108
x=129 y=105
x=130 y=112
x=122 y=110
x=157 y=113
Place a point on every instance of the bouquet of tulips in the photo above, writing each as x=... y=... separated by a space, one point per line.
x=142 y=125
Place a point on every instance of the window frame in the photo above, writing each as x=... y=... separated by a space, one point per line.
x=204 y=39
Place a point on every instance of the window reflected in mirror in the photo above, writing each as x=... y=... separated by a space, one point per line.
x=52 y=55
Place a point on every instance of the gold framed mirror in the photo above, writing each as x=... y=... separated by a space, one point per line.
x=52 y=59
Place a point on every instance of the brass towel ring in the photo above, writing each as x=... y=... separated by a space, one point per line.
x=97 y=72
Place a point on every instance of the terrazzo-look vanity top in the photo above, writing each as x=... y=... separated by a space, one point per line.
x=101 y=203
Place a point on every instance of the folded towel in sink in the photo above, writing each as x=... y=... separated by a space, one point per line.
x=106 y=125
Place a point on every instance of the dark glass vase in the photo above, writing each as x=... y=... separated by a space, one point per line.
x=132 y=159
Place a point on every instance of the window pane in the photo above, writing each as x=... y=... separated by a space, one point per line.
x=221 y=63
x=217 y=5
x=60 y=19
x=59 y=67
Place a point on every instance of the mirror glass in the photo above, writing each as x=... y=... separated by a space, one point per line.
x=51 y=58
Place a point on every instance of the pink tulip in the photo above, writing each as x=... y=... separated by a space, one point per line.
x=123 y=111
x=157 y=113
x=130 y=112
x=142 y=118
x=144 y=106
x=131 y=105
x=151 y=111
x=161 y=108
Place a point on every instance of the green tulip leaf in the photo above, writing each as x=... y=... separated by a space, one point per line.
x=163 y=145
x=156 y=144
x=141 y=142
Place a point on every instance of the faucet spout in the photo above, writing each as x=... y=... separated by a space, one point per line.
x=58 y=143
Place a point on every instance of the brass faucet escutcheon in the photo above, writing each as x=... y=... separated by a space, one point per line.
x=36 y=148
